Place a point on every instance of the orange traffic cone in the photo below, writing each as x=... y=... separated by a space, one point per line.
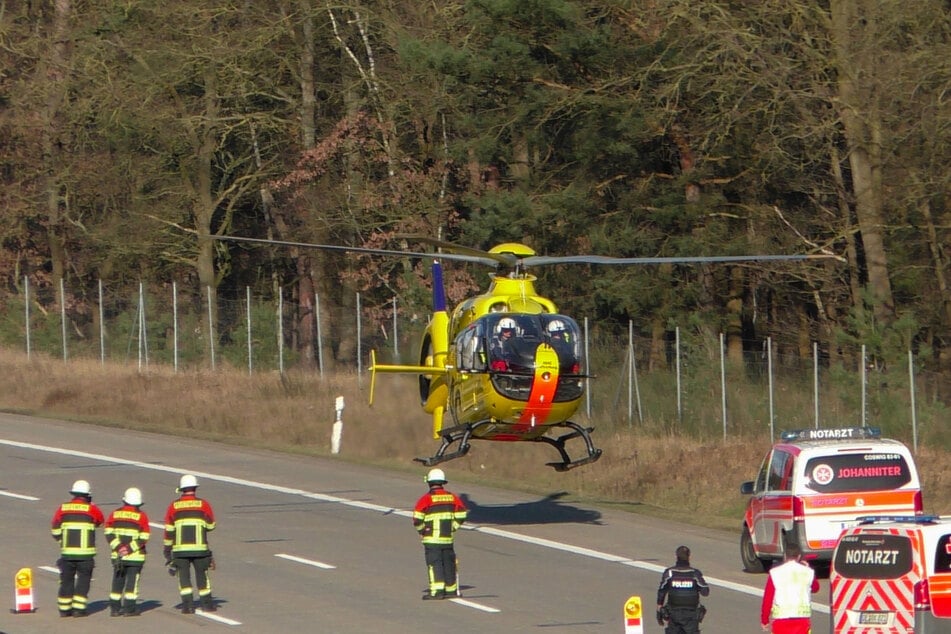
x=24 y=591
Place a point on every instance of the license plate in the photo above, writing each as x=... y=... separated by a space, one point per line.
x=873 y=618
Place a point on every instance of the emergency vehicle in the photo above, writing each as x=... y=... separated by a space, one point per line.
x=892 y=575
x=815 y=482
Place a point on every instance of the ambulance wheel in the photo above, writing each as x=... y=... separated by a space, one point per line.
x=751 y=563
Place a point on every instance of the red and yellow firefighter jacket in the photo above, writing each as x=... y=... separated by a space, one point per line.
x=129 y=526
x=188 y=521
x=74 y=527
x=438 y=515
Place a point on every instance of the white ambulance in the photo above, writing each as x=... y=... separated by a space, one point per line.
x=892 y=575
x=815 y=482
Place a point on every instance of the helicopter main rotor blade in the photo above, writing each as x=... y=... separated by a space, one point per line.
x=541 y=260
x=507 y=259
x=481 y=258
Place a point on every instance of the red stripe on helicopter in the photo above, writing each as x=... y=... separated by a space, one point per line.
x=544 y=384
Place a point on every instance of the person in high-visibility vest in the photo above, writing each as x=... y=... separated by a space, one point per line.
x=787 y=599
x=127 y=529
x=74 y=527
x=437 y=516
x=188 y=521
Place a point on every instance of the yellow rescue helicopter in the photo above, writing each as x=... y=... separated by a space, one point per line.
x=504 y=365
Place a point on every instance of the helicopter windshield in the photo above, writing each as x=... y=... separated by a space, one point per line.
x=513 y=339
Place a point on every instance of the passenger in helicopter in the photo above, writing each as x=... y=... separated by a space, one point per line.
x=503 y=350
x=560 y=339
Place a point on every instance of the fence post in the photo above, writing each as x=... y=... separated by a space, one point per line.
x=62 y=316
x=723 y=384
x=175 y=324
x=911 y=388
x=248 y=310
x=320 y=343
x=26 y=291
x=102 y=328
x=211 y=331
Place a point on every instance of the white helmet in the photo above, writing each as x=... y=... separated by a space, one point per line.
x=436 y=476
x=506 y=323
x=132 y=497
x=188 y=481
x=81 y=487
x=556 y=325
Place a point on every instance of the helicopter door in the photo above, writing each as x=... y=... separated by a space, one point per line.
x=467 y=392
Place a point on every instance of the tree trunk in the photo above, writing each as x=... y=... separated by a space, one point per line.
x=56 y=86
x=862 y=129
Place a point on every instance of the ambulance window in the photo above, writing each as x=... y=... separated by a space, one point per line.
x=779 y=469
x=857 y=472
x=760 y=484
x=873 y=556
x=942 y=558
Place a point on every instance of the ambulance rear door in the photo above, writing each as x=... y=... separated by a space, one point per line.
x=872 y=582
x=836 y=488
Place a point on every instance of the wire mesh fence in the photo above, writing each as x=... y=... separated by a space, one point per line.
x=684 y=383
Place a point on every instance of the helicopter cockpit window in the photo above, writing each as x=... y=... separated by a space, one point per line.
x=470 y=353
x=563 y=334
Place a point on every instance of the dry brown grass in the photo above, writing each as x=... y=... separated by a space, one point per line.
x=659 y=473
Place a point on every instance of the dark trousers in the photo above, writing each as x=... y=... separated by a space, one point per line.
x=683 y=621
x=202 y=581
x=75 y=576
x=441 y=564
x=125 y=585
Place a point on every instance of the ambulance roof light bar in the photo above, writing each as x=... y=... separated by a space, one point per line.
x=838 y=433
x=909 y=519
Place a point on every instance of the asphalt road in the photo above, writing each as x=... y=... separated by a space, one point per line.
x=307 y=544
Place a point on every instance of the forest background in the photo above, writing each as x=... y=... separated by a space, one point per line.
x=132 y=133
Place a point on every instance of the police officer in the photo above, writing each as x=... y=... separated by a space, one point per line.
x=74 y=527
x=188 y=521
x=786 y=598
x=127 y=529
x=436 y=517
x=678 y=597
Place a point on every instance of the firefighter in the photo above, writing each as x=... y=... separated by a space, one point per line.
x=188 y=521
x=786 y=599
x=127 y=529
x=678 y=596
x=436 y=517
x=74 y=527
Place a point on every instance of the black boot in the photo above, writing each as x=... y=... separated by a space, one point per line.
x=130 y=609
x=188 y=606
x=115 y=608
x=208 y=604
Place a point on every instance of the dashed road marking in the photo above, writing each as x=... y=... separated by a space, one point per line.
x=309 y=562
x=19 y=496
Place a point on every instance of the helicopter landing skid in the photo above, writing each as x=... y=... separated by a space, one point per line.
x=460 y=434
x=559 y=444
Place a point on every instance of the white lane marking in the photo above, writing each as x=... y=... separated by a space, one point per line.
x=52 y=569
x=309 y=562
x=157 y=525
x=473 y=604
x=19 y=496
x=367 y=506
x=215 y=617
